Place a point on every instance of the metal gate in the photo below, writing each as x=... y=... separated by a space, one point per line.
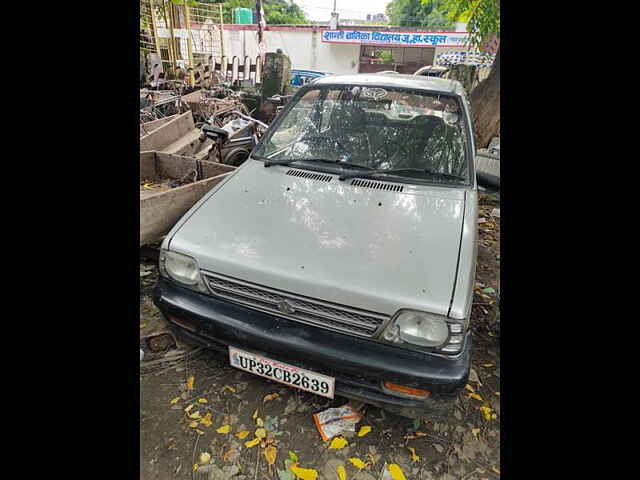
x=186 y=35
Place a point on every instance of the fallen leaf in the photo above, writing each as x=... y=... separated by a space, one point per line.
x=255 y=414
x=475 y=432
x=224 y=429
x=364 y=430
x=252 y=443
x=142 y=325
x=227 y=387
x=338 y=443
x=261 y=433
x=475 y=396
x=205 y=457
x=259 y=422
x=293 y=456
x=230 y=454
x=488 y=365
x=498 y=394
x=269 y=397
x=359 y=464
x=202 y=400
x=470 y=388
x=195 y=467
x=196 y=415
x=175 y=400
x=304 y=473
x=270 y=454
x=396 y=472
x=190 y=382
x=486 y=411
x=414 y=457
x=206 y=420
x=199 y=432
x=342 y=473
x=189 y=407
x=495 y=470
x=473 y=377
x=243 y=434
x=193 y=424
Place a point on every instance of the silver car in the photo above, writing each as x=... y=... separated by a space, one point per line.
x=340 y=257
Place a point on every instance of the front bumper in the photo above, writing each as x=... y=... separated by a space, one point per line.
x=359 y=365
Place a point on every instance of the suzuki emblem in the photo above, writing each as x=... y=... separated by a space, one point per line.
x=285 y=307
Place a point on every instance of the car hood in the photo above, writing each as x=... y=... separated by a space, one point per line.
x=368 y=248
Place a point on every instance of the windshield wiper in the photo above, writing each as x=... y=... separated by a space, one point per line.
x=347 y=176
x=268 y=163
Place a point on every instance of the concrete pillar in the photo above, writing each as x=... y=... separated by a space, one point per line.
x=276 y=73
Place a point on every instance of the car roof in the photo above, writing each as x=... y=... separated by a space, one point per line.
x=435 y=68
x=398 y=80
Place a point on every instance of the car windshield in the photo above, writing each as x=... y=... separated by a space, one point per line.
x=417 y=134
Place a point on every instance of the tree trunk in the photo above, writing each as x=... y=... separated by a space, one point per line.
x=485 y=106
x=467 y=75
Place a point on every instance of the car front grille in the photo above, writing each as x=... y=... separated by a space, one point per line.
x=306 y=310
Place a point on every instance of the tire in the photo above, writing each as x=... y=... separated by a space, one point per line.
x=236 y=157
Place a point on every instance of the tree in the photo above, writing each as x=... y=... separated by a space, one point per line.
x=428 y=14
x=277 y=12
x=483 y=21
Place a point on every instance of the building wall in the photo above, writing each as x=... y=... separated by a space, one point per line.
x=305 y=49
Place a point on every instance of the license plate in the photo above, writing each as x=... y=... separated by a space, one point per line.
x=282 y=372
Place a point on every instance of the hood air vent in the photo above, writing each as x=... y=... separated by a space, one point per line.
x=309 y=175
x=390 y=187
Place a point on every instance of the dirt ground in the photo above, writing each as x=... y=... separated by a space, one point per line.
x=466 y=446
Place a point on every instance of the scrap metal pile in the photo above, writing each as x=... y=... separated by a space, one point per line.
x=231 y=120
x=190 y=139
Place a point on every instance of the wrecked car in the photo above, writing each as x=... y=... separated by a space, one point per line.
x=340 y=257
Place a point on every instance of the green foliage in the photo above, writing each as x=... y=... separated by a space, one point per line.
x=276 y=12
x=429 y=14
x=279 y=12
x=482 y=17
x=385 y=56
x=191 y=3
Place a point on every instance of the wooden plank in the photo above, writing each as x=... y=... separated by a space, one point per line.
x=168 y=133
x=213 y=169
x=187 y=144
x=159 y=212
x=176 y=166
x=148 y=170
x=148 y=127
x=193 y=100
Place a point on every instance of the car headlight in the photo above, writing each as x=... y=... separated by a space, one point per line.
x=426 y=330
x=181 y=268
